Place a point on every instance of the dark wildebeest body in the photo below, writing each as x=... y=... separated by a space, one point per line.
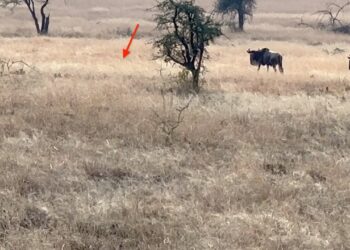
x=266 y=57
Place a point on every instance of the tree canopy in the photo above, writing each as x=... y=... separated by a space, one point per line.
x=186 y=30
x=242 y=8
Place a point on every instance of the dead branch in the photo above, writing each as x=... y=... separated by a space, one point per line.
x=10 y=67
x=304 y=24
x=168 y=122
x=332 y=12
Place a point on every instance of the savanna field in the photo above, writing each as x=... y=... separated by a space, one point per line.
x=89 y=159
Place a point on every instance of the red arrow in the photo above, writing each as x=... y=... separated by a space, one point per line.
x=126 y=51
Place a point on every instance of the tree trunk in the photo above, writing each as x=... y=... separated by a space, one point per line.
x=241 y=16
x=45 y=26
x=45 y=20
x=195 y=80
x=197 y=70
x=31 y=7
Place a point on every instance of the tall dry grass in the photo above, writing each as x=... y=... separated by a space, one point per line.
x=259 y=162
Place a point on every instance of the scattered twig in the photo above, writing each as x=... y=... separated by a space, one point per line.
x=168 y=122
x=304 y=24
x=10 y=67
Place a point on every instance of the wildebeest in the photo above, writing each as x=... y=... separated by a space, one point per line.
x=266 y=57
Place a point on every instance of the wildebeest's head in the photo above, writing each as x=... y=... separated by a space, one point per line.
x=256 y=56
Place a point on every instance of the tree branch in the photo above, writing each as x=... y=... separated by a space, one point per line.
x=181 y=39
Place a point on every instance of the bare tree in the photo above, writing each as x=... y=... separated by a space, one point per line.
x=329 y=18
x=41 y=24
x=332 y=13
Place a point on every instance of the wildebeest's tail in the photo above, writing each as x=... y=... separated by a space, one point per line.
x=280 y=64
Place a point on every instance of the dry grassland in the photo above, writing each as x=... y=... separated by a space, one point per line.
x=261 y=160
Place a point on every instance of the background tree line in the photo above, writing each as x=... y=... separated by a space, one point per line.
x=41 y=19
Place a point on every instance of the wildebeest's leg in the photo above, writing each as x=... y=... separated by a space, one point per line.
x=274 y=68
x=280 y=65
x=268 y=68
x=281 y=69
x=259 y=67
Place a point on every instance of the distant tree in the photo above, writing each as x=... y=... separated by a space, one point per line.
x=186 y=30
x=42 y=26
x=242 y=8
x=332 y=13
x=331 y=18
